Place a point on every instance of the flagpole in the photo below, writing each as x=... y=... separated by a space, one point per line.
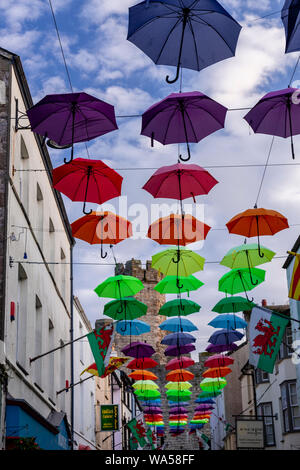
x=74 y=385
x=32 y=359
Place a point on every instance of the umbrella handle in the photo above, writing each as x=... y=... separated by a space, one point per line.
x=176 y=77
x=184 y=22
x=189 y=154
x=177 y=260
x=178 y=285
x=72 y=155
x=86 y=212
x=103 y=255
x=261 y=255
x=250 y=273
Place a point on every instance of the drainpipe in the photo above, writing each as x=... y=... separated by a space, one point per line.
x=112 y=402
x=72 y=345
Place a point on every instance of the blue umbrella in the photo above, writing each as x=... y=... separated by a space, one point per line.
x=291 y=18
x=178 y=339
x=132 y=327
x=185 y=33
x=177 y=324
x=148 y=402
x=228 y=321
x=225 y=337
x=173 y=403
x=208 y=401
x=179 y=350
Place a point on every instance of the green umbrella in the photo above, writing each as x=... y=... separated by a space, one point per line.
x=178 y=393
x=209 y=394
x=119 y=286
x=177 y=262
x=175 y=285
x=145 y=385
x=199 y=421
x=147 y=393
x=238 y=280
x=178 y=386
x=233 y=304
x=247 y=256
x=209 y=384
x=178 y=423
x=127 y=308
x=178 y=307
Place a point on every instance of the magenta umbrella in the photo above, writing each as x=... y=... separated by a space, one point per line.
x=204 y=407
x=183 y=118
x=71 y=117
x=178 y=350
x=277 y=113
x=178 y=409
x=138 y=350
x=221 y=347
x=152 y=410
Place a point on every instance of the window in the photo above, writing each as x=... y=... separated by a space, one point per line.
x=38 y=340
x=290 y=407
x=266 y=410
x=261 y=376
x=285 y=350
x=51 y=377
x=22 y=312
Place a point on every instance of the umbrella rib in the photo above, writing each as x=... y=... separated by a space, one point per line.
x=169 y=123
x=65 y=126
x=191 y=123
x=168 y=37
x=206 y=110
x=277 y=103
x=195 y=44
x=78 y=187
x=216 y=31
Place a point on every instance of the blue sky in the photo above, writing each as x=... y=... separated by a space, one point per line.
x=102 y=62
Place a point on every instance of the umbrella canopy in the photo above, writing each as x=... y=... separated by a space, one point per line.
x=169 y=31
x=178 y=393
x=175 y=262
x=119 y=286
x=132 y=327
x=199 y=421
x=177 y=229
x=125 y=309
x=256 y=222
x=146 y=394
x=177 y=324
x=179 y=375
x=179 y=402
x=178 y=386
x=290 y=19
x=102 y=227
x=142 y=375
x=233 y=304
x=239 y=280
x=204 y=407
x=228 y=321
x=178 y=339
x=224 y=336
x=152 y=410
x=217 y=348
x=179 y=363
x=145 y=385
x=88 y=181
x=142 y=363
x=71 y=117
x=218 y=360
x=181 y=307
x=151 y=402
x=178 y=350
x=138 y=350
x=247 y=256
x=205 y=400
x=217 y=372
x=178 y=284
x=211 y=385
x=178 y=409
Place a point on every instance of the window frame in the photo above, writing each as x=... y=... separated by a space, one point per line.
x=287 y=407
x=269 y=416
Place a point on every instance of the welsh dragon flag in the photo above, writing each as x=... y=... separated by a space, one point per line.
x=138 y=431
x=101 y=343
x=266 y=330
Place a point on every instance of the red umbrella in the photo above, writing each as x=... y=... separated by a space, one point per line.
x=88 y=181
x=180 y=363
x=218 y=360
x=180 y=182
x=142 y=363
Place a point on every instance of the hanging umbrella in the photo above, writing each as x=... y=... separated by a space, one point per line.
x=88 y=181
x=233 y=304
x=225 y=336
x=239 y=280
x=147 y=394
x=177 y=324
x=179 y=363
x=71 y=117
x=150 y=401
x=119 y=286
x=218 y=360
x=178 y=386
x=276 y=113
x=181 y=307
x=182 y=118
x=205 y=400
x=178 y=393
x=145 y=385
x=217 y=348
x=178 y=284
x=179 y=375
x=132 y=327
x=126 y=309
x=138 y=350
x=183 y=33
x=178 y=409
x=228 y=321
x=217 y=372
x=142 y=375
x=102 y=227
x=290 y=19
x=142 y=363
x=177 y=229
x=211 y=385
x=178 y=350
x=181 y=402
x=178 y=339
x=178 y=262
x=178 y=417
x=256 y=222
x=204 y=407
x=152 y=410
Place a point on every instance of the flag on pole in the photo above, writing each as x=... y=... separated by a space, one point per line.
x=294 y=292
x=114 y=363
x=151 y=438
x=204 y=439
x=266 y=330
x=138 y=431
x=101 y=342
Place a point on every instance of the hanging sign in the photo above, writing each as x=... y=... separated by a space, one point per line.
x=109 y=417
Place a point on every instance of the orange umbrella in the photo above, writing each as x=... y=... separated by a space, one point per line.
x=217 y=372
x=102 y=227
x=142 y=375
x=176 y=229
x=179 y=375
x=200 y=416
x=256 y=222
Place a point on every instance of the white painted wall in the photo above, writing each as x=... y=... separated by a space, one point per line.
x=217 y=427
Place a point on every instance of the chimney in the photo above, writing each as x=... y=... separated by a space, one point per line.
x=264 y=303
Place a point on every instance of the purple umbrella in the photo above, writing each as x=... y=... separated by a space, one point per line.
x=152 y=410
x=224 y=336
x=221 y=347
x=183 y=118
x=138 y=350
x=277 y=113
x=178 y=350
x=178 y=409
x=71 y=117
x=204 y=407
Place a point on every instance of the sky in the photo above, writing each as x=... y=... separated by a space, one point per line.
x=103 y=63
